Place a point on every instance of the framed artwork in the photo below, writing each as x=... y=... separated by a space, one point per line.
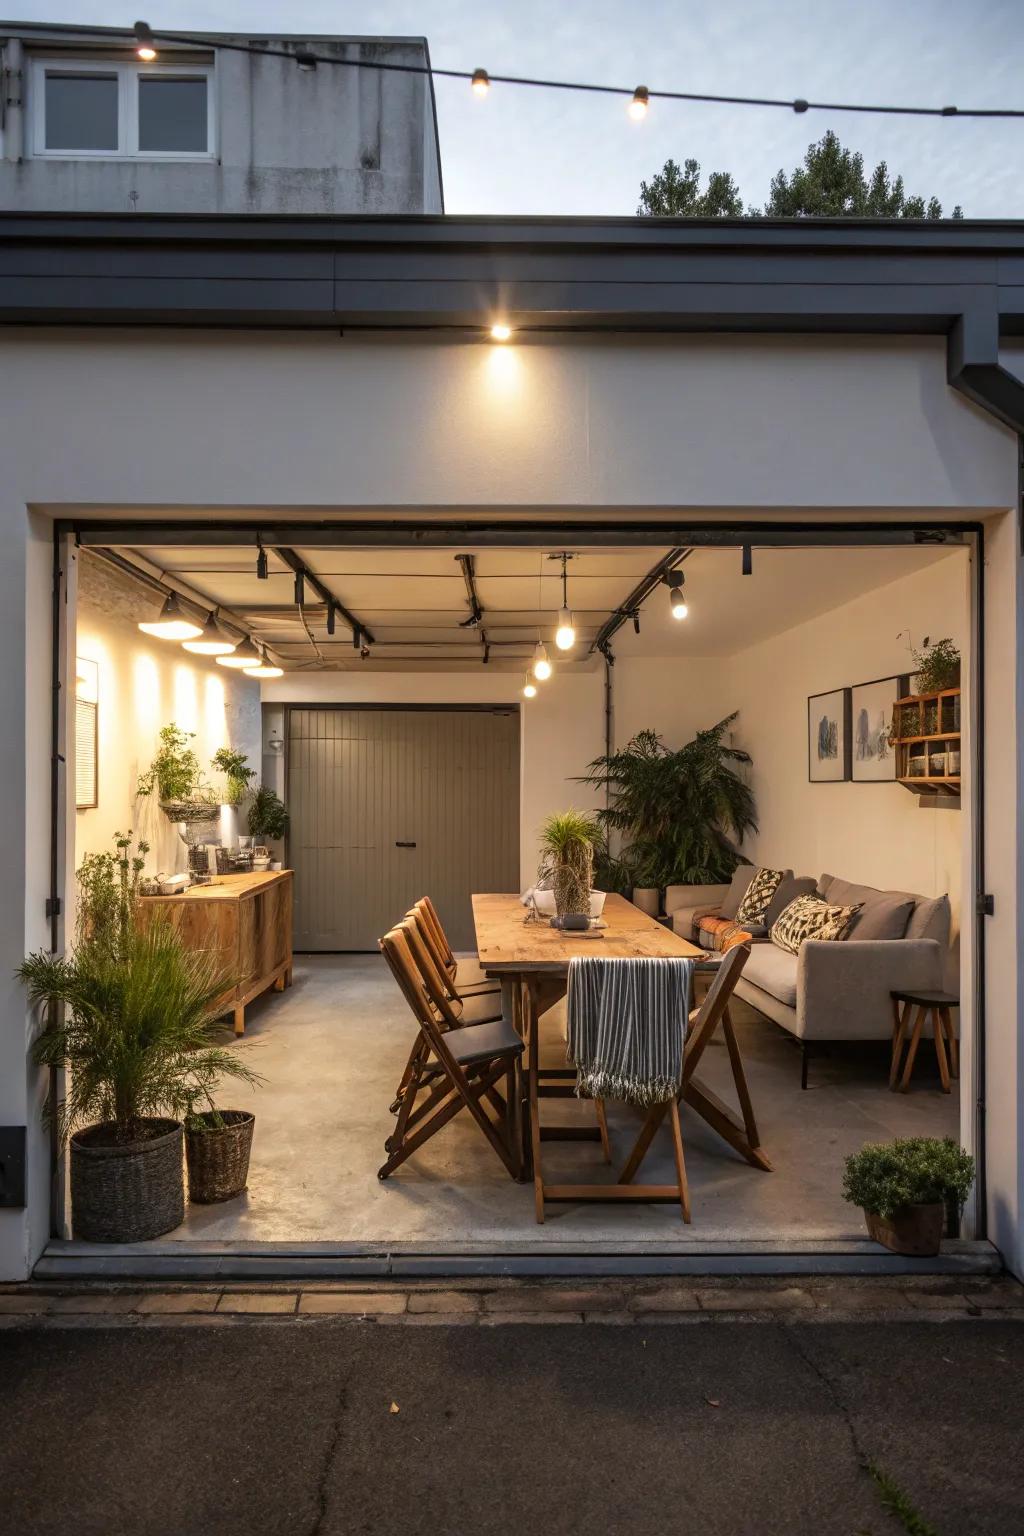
x=828 y=736
x=874 y=758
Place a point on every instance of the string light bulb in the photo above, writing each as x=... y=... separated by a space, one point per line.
x=500 y=331
x=541 y=664
x=529 y=688
x=243 y=655
x=172 y=622
x=677 y=602
x=146 y=49
x=214 y=640
x=637 y=108
x=480 y=83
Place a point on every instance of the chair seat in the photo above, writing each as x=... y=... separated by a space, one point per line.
x=478 y=1010
x=469 y=973
x=483 y=1042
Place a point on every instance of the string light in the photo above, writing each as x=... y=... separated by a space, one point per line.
x=500 y=331
x=480 y=81
x=541 y=664
x=529 y=688
x=637 y=108
x=145 y=50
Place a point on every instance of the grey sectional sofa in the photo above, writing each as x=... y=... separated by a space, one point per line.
x=838 y=990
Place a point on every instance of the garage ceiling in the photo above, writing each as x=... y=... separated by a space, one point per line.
x=412 y=606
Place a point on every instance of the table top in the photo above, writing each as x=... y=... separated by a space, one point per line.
x=507 y=943
x=226 y=887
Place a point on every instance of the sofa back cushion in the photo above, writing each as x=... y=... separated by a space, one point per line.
x=889 y=914
x=741 y=878
x=790 y=888
x=930 y=919
x=810 y=917
x=883 y=917
x=759 y=894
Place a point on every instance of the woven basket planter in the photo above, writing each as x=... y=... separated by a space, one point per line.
x=218 y=1158
x=190 y=811
x=126 y=1193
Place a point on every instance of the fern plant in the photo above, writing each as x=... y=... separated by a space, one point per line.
x=680 y=814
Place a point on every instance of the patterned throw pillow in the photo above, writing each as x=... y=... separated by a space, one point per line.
x=759 y=894
x=810 y=917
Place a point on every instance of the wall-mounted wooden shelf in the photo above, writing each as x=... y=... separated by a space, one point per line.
x=927 y=741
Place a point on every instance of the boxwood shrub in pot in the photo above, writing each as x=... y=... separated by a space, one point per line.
x=904 y=1188
x=130 y=1014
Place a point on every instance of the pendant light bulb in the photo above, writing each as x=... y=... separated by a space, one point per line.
x=565 y=634
x=541 y=664
x=214 y=640
x=145 y=46
x=529 y=688
x=172 y=622
x=480 y=83
x=677 y=601
x=637 y=108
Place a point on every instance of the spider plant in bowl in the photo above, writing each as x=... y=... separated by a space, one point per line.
x=568 y=840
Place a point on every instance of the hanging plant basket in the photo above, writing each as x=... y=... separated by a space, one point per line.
x=218 y=1155
x=189 y=811
x=126 y=1192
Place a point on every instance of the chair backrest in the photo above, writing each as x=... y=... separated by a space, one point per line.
x=432 y=982
x=428 y=934
x=429 y=911
x=727 y=974
x=394 y=946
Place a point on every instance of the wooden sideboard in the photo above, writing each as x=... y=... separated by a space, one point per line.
x=245 y=921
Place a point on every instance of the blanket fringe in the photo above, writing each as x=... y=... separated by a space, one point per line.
x=598 y=1083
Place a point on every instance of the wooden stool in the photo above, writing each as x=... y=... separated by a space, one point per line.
x=930 y=1005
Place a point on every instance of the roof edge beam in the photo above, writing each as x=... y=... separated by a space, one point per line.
x=973 y=367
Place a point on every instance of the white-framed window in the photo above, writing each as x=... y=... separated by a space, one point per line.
x=112 y=109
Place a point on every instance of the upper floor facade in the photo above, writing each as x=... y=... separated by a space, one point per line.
x=221 y=125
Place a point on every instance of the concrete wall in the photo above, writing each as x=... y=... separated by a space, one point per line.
x=331 y=140
x=126 y=421
x=143 y=685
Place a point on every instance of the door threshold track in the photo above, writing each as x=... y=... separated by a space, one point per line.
x=68 y=1260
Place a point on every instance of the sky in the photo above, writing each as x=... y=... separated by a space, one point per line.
x=526 y=151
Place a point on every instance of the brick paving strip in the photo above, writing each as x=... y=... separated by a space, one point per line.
x=493 y=1303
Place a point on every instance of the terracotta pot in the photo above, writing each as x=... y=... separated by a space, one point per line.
x=648 y=899
x=913 y=1230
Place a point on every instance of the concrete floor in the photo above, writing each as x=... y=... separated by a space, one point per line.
x=333 y=1047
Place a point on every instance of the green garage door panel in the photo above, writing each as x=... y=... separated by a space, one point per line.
x=362 y=782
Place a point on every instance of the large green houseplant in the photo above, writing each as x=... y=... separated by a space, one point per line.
x=130 y=1013
x=679 y=814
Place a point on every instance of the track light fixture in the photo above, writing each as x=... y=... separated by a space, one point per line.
x=565 y=634
x=636 y=623
x=244 y=655
x=330 y=618
x=214 y=640
x=637 y=108
x=677 y=602
x=305 y=59
x=146 y=48
x=541 y=664
x=172 y=622
x=262 y=571
x=748 y=560
x=300 y=589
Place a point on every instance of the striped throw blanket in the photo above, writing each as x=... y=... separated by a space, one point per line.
x=627 y=1019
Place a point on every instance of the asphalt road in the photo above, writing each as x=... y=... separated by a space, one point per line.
x=288 y=1430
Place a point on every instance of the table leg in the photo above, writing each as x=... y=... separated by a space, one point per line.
x=532 y=1072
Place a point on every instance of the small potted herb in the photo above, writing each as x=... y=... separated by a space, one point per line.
x=177 y=778
x=937 y=665
x=904 y=1187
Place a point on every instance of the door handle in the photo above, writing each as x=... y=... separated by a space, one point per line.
x=405 y=845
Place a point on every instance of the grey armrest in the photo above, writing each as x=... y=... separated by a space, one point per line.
x=843 y=987
x=702 y=896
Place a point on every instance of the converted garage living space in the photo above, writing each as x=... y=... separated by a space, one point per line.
x=407 y=726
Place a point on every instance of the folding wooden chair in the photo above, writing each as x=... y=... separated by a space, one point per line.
x=451 y=1069
x=444 y=962
x=470 y=976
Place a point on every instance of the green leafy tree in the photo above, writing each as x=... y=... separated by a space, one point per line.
x=676 y=194
x=832 y=183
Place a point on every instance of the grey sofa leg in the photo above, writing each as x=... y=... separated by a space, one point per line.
x=804 y=1056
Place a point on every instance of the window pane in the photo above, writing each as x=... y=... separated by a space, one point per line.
x=81 y=112
x=172 y=113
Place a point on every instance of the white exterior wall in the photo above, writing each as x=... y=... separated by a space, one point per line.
x=155 y=423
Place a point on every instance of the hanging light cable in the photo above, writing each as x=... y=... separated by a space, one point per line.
x=565 y=634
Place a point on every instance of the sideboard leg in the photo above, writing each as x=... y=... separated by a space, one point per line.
x=240 y=1021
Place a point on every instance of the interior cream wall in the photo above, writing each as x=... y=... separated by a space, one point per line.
x=143 y=685
x=875 y=834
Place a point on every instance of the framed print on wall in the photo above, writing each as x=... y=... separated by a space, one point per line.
x=828 y=736
x=874 y=758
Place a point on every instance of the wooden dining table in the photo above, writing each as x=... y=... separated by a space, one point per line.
x=531 y=959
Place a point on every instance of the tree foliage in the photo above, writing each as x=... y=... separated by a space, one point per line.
x=831 y=183
x=676 y=194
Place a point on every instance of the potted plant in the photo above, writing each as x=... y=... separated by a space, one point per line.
x=904 y=1187
x=268 y=817
x=238 y=777
x=217 y=1147
x=680 y=813
x=936 y=665
x=567 y=843
x=177 y=778
x=130 y=1014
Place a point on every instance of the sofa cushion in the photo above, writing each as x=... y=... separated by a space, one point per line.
x=774 y=971
x=719 y=933
x=844 y=893
x=810 y=917
x=882 y=917
x=792 y=887
x=930 y=919
x=741 y=878
x=759 y=894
